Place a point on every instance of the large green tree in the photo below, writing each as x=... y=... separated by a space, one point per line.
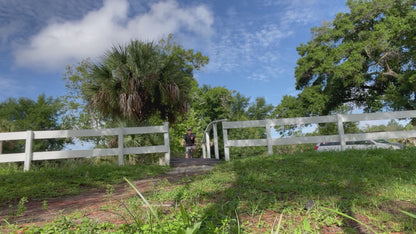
x=259 y=109
x=25 y=114
x=138 y=81
x=239 y=105
x=213 y=103
x=365 y=57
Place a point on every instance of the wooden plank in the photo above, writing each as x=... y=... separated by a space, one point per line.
x=380 y=135
x=167 y=143
x=321 y=119
x=318 y=139
x=28 y=150
x=304 y=140
x=144 y=130
x=66 y=154
x=379 y=116
x=11 y=136
x=304 y=120
x=279 y=122
x=75 y=133
x=145 y=149
x=244 y=124
x=120 y=146
x=16 y=157
x=96 y=132
x=245 y=143
x=96 y=152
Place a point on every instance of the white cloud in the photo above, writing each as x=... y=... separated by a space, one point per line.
x=255 y=45
x=63 y=43
x=243 y=49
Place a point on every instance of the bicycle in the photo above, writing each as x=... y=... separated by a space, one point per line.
x=189 y=150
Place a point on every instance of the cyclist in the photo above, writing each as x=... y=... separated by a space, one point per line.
x=189 y=140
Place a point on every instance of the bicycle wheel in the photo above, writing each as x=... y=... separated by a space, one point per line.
x=190 y=152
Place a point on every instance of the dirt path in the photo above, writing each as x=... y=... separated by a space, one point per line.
x=88 y=203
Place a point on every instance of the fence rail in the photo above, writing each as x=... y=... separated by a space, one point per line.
x=339 y=119
x=29 y=136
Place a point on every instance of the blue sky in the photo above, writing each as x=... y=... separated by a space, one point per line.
x=251 y=43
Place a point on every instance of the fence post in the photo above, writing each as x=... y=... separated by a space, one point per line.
x=340 y=121
x=269 y=138
x=226 y=147
x=217 y=156
x=204 y=155
x=28 y=150
x=120 y=147
x=208 y=144
x=167 y=143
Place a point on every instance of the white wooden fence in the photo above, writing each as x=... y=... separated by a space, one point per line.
x=29 y=136
x=339 y=119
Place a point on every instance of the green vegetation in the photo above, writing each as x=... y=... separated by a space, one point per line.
x=137 y=81
x=69 y=177
x=353 y=191
x=364 y=58
x=24 y=114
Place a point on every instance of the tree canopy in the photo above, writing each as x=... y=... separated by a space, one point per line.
x=139 y=80
x=364 y=58
x=25 y=114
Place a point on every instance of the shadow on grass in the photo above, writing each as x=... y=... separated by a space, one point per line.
x=356 y=183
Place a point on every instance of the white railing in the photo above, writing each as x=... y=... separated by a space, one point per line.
x=29 y=136
x=339 y=119
x=205 y=142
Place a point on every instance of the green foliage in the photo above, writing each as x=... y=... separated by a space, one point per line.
x=144 y=199
x=239 y=105
x=393 y=125
x=52 y=179
x=288 y=107
x=349 y=217
x=21 y=206
x=45 y=205
x=332 y=128
x=138 y=81
x=25 y=114
x=352 y=189
x=213 y=103
x=192 y=120
x=259 y=109
x=408 y=213
x=365 y=57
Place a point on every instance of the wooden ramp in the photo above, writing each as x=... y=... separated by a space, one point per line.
x=192 y=165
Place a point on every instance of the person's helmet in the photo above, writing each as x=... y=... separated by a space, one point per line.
x=189 y=129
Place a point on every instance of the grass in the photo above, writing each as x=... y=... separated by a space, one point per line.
x=370 y=191
x=60 y=178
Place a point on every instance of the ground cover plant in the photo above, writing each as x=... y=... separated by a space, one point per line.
x=370 y=191
x=66 y=177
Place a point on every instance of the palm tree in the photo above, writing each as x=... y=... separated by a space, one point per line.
x=140 y=80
